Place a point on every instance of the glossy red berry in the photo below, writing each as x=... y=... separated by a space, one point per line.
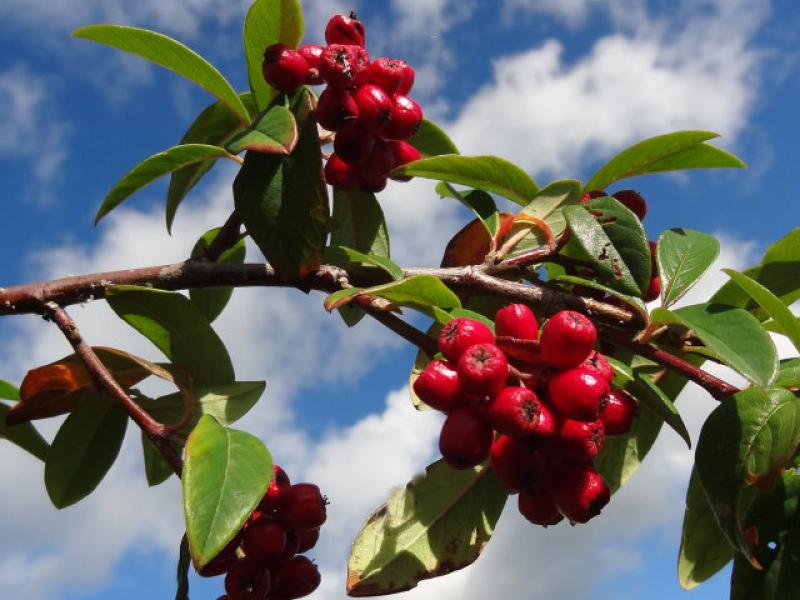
x=403 y=153
x=517 y=465
x=579 y=441
x=465 y=438
x=307 y=540
x=576 y=393
x=653 y=290
x=312 y=53
x=304 y=507
x=404 y=118
x=247 y=580
x=344 y=66
x=388 y=74
x=634 y=201
x=517 y=321
x=482 y=370
x=345 y=30
x=373 y=172
x=438 y=386
x=264 y=539
x=292 y=548
x=339 y=174
x=580 y=494
x=592 y=195
x=283 y=68
x=296 y=578
x=461 y=333
x=567 y=339
x=598 y=363
x=354 y=145
x=336 y=109
x=538 y=507
x=275 y=496
x=617 y=410
x=518 y=412
x=374 y=108
x=222 y=561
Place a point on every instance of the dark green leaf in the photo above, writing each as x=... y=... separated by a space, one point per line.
x=684 y=255
x=643 y=389
x=704 y=548
x=736 y=337
x=789 y=373
x=274 y=132
x=478 y=201
x=212 y=301
x=177 y=328
x=632 y=301
x=779 y=580
x=184 y=560
x=23 y=435
x=431 y=140
x=487 y=173
x=152 y=168
x=8 y=391
x=156 y=469
x=670 y=152
x=85 y=447
x=170 y=54
x=439 y=523
x=746 y=441
x=225 y=475
x=269 y=22
x=358 y=222
x=343 y=256
x=283 y=201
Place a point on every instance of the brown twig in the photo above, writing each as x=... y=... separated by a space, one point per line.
x=226 y=238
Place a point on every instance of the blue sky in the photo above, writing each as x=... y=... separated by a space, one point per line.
x=556 y=86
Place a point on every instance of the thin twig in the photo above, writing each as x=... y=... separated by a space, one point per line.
x=227 y=238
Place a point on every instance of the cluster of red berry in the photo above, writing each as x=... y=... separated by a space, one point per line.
x=365 y=102
x=544 y=431
x=264 y=561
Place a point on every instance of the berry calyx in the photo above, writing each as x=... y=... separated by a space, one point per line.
x=275 y=496
x=346 y=30
x=312 y=53
x=247 y=580
x=339 y=174
x=404 y=118
x=438 y=386
x=284 y=68
x=517 y=465
x=343 y=66
x=353 y=145
x=518 y=412
x=617 y=410
x=580 y=441
x=461 y=333
x=633 y=201
x=567 y=339
x=264 y=539
x=483 y=370
x=295 y=578
x=465 y=438
x=403 y=153
x=538 y=507
x=580 y=494
x=374 y=108
x=517 y=321
x=576 y=393
x=336 y=109
x=304 y=507
x=388 y=74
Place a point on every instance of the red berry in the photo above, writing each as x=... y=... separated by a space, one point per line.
x=403 y=153
x=283 y=68
x=339 y=174
x=538 y=507
x=307 y=540
x=222 y=561
x=388 y=74
x=336 y=109
x=634 y=201
x=653 y=290
x=264 y=539
x=345 y=30
x=353 y=145
x=482 y=370
x=312 y=53
x=617 y=410
x=247 y=580
x=592 y=195
x=580 y=494
x=408 y=81
x=461 y=333
x=567 y=339
x=275 y=496
x=373 y=173
x=374 y=108
x=295 y=579
x=580 y=441
x=576 y=393
x=292 y=548
x=518 y=412
x=438 y=386
x=598 y=363
x=304 y=507
x=517 y=465
x=405 y=117
x=517 y=321
x=344 y=66
x=465 y=438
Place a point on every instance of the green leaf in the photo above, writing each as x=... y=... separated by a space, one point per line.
x=358 y=222
x=779 y=578
x=789 y=373
x=343 y=256
x=704 y=549
x=632 y=301
x=9 y=391
x=152 y=168
x=643 y=389
x=23 y=435
x=184 y=560
x=487 y=173
x=746 y=441
x=478 y=201
x=85 y=447
x=431 y=140
x=439 y=523
x=684 y=255
x=736 y=337
x=274 y=132
x=418 y=292
x=670 y=152
x=771 y=304
x=177 y=328
x=599 y=250
x=225 y=475
x=170 y=54
x=212 y=301
x=269 y=22
x=156 y=469
x=283 y=201
x=214 y=126
x=547 y=205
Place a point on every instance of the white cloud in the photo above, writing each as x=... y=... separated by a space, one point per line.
x=575 y=13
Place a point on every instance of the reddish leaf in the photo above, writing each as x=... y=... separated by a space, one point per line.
x=471 y=245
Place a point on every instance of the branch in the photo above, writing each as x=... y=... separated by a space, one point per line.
x=105 y=381
x=226 y=238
